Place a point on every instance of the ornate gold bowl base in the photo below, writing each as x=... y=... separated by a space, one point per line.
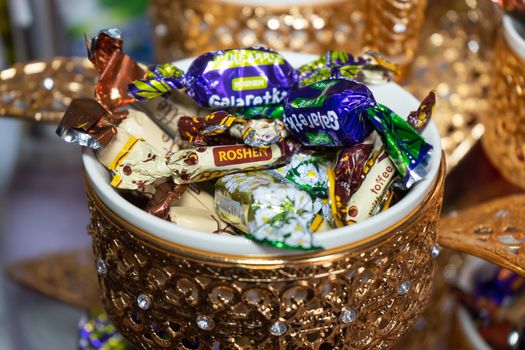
x=160 y=295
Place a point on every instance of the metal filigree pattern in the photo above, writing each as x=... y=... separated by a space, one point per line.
x=504 y=139
x=494 y=231
x=42 y=90
x=67 y=276
x=362 y=297
x=191 y=27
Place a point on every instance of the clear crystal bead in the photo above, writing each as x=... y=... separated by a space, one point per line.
x=143 y=302
x=502 y=213
x=404 y=288
x=101 y=267
x=205 y=323
x=435 y=250
x=348 y=316
x=278 y=328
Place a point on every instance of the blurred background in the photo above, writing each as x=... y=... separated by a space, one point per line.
x=446 y=45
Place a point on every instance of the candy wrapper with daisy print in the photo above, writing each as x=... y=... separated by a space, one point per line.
x=270 y=209
x=308 y=169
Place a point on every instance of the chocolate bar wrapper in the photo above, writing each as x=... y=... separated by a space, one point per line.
x=205 y=163
x=133 y=161
x=226 y=78
x=309 y=171
x=358 y=183
x=370 y=67
x=267 y=208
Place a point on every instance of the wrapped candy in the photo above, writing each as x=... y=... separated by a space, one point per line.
x=225 y=78
x=360 y=180
x=205 y=163
x=220 y=128
x=309 y=171
x=96 y=332
x=116 y=69
x=270 y=210
x=340 y=112
x=370 y=67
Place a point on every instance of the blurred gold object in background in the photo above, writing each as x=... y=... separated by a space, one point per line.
x=41 y=90
x=189 y=28
x=504 y=139
x=453 y=57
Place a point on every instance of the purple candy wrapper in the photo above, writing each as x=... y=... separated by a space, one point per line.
x=329 y=113
x=226 y=78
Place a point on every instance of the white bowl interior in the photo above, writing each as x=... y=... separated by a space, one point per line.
x=391 y=94
x=515 y=35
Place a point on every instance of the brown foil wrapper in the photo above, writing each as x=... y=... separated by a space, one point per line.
x=360 y=180
x=101 y=48
x=165 y=193
x=87 y=123
x=205 y=163
x=112 y=87
x=419 y=119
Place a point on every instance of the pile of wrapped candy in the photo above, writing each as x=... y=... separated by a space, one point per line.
x=497 y=304
x=243 y=143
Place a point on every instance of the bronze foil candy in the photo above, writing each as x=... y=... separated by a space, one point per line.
x=165 y=194
x=112 y=87
x=87 y=123
x=101 y=47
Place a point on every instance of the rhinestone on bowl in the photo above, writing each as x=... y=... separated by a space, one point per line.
x=278 y=328
x=404 y=288
x=101 y=267
x=435 y=250
x=348 y=315
x=143 y=301
x=502 y=213
x=205 y=323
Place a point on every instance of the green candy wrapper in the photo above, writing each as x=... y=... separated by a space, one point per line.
x=267 y=112
x=405 y=146
x=270 y=209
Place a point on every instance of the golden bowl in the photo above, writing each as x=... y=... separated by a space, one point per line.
x=365 y=295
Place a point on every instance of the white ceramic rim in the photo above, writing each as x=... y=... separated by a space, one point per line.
x=468 y=327
x=390 y=94
x=513 y=37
